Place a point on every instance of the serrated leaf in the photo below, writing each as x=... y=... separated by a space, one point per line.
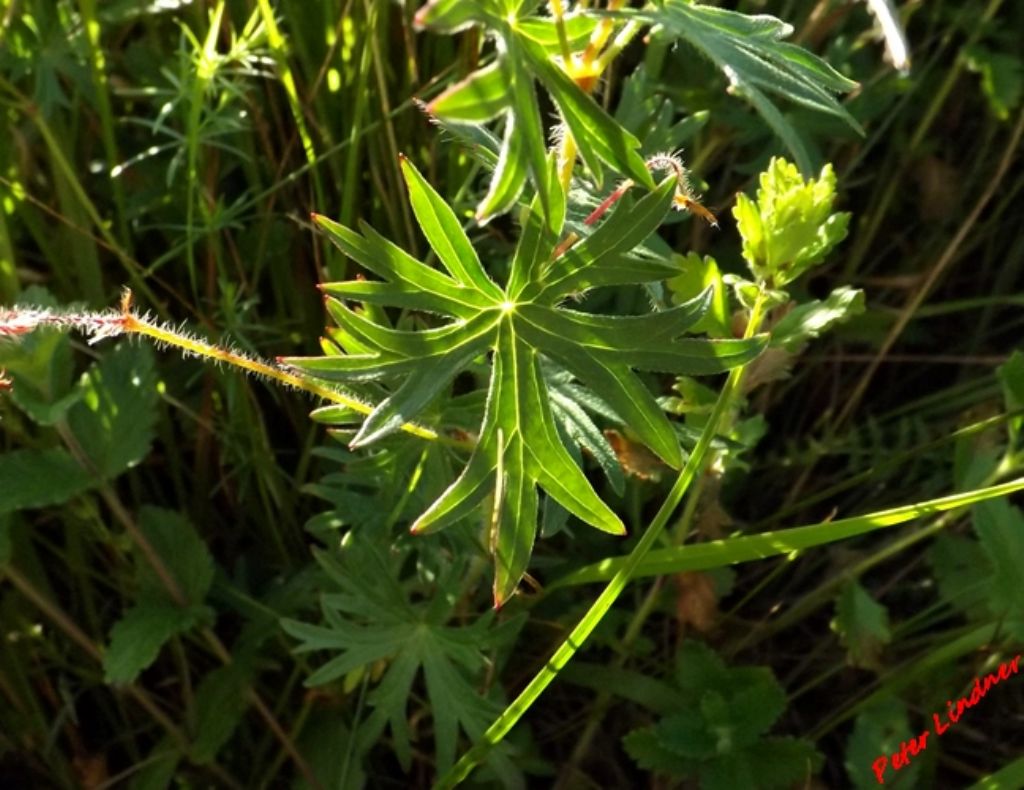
x=113 y=421
x=220 y=705
x=111 y=414
x=962 y=574
x=136 y=639
x=879 y=731
x=716 y=727
x=1002 y=78
x=645 y=748
x=755 y=702
x=36 y=478
x=39 y=367
x=809 y=320
x=1000 y=528
x=783 y=762
x=790 y=227
x=862 y=624
x=727 y=773
x=182 y=552
x=687 y=734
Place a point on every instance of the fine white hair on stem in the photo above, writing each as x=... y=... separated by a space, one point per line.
x=673 y=161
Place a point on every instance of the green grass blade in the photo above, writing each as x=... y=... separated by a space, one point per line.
x=719 y=553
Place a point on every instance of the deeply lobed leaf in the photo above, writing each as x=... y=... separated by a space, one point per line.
x=519 y=447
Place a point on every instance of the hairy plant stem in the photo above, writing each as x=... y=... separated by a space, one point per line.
x=694 y=465
x=135 y=325
x=100 y=325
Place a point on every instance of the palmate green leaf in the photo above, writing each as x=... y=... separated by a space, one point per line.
x=370 y=619
x=519 y=448
x=755 y=59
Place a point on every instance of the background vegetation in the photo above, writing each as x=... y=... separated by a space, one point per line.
x=179 y=148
